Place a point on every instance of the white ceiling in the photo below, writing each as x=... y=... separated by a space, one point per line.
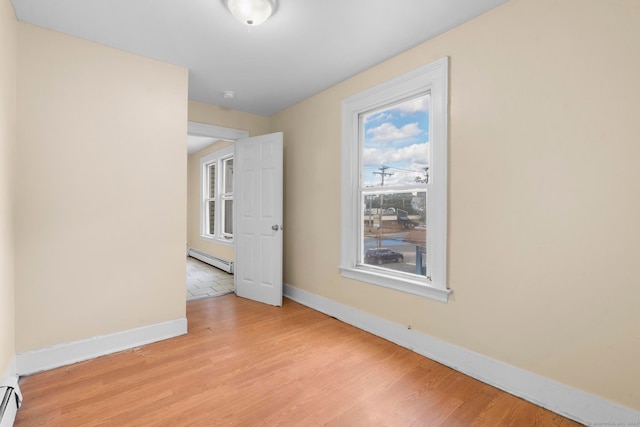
x=306 y=46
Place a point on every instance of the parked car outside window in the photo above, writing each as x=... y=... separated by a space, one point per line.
x=381 y=255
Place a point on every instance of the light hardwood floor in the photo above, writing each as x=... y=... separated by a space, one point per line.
x=245 y=363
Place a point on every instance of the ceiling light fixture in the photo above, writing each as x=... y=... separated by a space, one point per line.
x=251 y=12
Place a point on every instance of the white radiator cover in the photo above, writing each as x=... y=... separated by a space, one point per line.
x=220 y=263
x=10 y=400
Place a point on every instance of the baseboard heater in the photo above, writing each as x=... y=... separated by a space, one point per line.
x=220 y=263
x=10 y=401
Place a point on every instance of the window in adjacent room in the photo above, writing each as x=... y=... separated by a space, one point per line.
x=217 y=196
x=394 y=173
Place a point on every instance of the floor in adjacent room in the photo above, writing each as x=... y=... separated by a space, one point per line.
x=205 y=281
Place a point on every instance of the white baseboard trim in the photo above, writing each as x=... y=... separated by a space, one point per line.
x=42 y=359
x=221 y=263
x=559 y=398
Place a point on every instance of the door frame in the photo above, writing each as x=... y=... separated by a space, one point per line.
x=213 y=131
x=217 y=133
x=233 y=135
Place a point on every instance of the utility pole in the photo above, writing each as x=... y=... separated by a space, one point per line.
x=382 y=174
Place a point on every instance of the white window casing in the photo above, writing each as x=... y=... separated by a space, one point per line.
x=431 y=79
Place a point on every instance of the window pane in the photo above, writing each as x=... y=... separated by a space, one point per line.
x=211 y=170
x=228 y=176
x=395 y=143
x=394 y=231
x=212 y=215
x=228 y=216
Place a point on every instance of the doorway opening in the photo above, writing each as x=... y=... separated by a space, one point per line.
x=245 y=230
x=204 y=280
x=210 y=242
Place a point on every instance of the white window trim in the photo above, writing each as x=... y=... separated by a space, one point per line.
x=223 y=196
x=216 y=157
x=432 y=78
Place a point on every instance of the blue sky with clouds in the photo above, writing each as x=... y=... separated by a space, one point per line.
x=397 y=137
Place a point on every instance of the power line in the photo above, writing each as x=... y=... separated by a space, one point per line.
x=397 y=168
x=407 y=170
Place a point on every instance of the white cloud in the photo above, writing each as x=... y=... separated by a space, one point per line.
x=377 y=117
x=405 y=163
x=417 y=155
x=417 y=104
x=399 y=177
x=387 y=132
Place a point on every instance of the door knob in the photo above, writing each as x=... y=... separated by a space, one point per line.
x=274 y=227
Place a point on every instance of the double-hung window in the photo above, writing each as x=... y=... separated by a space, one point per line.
x=216 y=209
x=394 y=183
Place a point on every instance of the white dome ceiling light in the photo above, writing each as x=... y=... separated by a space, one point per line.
x=251 y=12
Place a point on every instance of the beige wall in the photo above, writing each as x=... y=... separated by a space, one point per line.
x=8 y=46
x=218 y=116
x=101 y=190
x=543 y=206
x=226 y=117
x=543 y=192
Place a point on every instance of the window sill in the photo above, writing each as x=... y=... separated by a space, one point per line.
x=224 y=242
x=414 y=287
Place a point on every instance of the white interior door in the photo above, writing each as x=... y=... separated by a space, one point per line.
x=258 y=218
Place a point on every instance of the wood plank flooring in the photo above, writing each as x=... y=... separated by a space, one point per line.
x=245 y=363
